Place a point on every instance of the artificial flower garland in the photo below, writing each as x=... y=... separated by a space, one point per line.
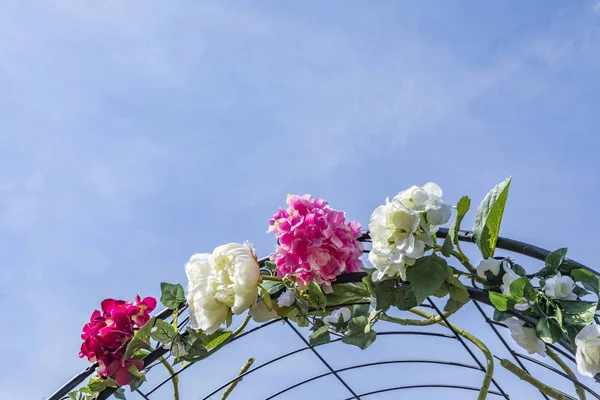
x=300 y=282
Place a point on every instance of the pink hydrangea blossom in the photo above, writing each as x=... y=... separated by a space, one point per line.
x=106 y=336
x=314 y=242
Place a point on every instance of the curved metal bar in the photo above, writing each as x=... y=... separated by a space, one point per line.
x=471 y=388
x=391 y=333
x=316 y=377
x=561 y=373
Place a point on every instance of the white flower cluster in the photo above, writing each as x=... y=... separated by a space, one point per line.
x=401 y=228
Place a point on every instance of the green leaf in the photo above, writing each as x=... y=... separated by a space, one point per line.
x=405 y=298
x=172 y=296
x=360 y=310
x=120 y=394
x=271 y=267
x=547 y=330
x=447 y=246
x=393 y=293
x=552 y=263
x=140 y=340
x=577 y=313
x=215 y=339
x=568 y=265
x=556 y=258
x=587 y=278
x=452 y=238
x=519 y=270
x=521 y=288
x=273 y=286
x=163 y=332
x=501 y=302
x=345 y=293
x=453 y=305
x=580 y=292
x=359 y=333
x=316 y=297
x=135 y=384
x=298 y=313
x=136 y=372
x=96 y=385
x=442 y=291
x=458 y=291
x=427 y=275
x=489 y=217
x=320 y=336
x=500 y=316
x=77 y=396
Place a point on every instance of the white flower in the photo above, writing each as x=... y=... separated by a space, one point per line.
x=261 y=313
x=560 y=287
x=507 y=279
x=226 y=279
x=392 y=229
x=588 y=350
x=489 y=264
x=426 y=199
x=525 y=337
x=286 y=298
x=335 y=316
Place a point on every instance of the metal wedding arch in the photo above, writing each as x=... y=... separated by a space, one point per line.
x=480 y=300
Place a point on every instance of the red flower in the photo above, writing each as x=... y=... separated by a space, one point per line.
x=106 y=336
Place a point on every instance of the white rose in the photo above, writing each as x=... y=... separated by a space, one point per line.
x=489 y=264
x=560 y=287
x=335 y=316
x=507 y=279
x=525 y=337
x=286 y=298
x=261 y=313
x=226 y=279
x=426 y=199
x=588 y=350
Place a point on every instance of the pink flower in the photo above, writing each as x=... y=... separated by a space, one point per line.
x=315 y=243
x=106 y=336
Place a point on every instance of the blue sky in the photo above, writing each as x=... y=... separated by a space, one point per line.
x=137 y=133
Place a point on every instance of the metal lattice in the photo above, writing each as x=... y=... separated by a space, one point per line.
x=479 y=297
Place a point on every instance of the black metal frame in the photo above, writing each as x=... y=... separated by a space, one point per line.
x=479 y=296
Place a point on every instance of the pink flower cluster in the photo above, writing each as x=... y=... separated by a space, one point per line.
x=106 y=336
x=315 y=243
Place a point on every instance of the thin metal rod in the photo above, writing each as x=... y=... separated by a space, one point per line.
x=510 y=350
x=471 y=388
x=339 y=378
x=314 y=378
x=461 y=340
x=389 y=333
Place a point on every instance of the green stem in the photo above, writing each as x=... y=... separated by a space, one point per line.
x=175 y=314
x=234 y=383
x=174 y=378
x=432 y=320
x=542 y=387
x=464 y=261
x=489 y=373
x=578 y=389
